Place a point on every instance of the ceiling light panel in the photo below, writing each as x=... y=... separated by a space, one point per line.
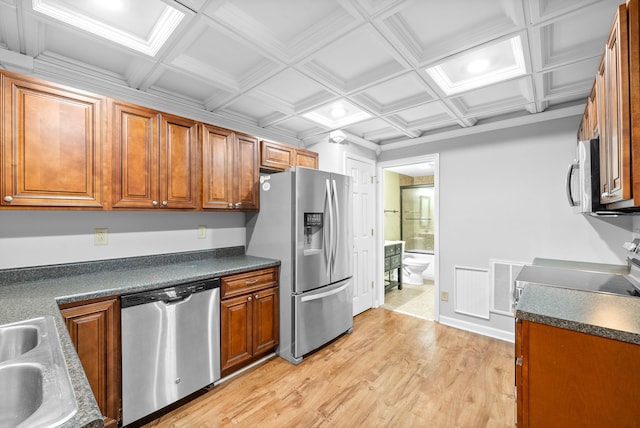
x=503 y=60
x=326 y=116
x=142 y=25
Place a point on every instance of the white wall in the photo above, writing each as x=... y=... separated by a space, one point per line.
x=34 y=238
x=502 y=196
x=332 y=156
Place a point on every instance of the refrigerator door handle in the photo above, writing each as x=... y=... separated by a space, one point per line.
x=335 y=230
x=325 y=294
x=327 y=233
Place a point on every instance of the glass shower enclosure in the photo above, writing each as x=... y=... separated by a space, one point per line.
x=417 y=209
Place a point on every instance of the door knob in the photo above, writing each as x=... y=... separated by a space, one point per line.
x=8 y=199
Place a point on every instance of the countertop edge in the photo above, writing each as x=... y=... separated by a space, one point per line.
x=599 y=314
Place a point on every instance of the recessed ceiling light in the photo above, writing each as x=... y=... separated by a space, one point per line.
x=478 y=66
x=337 y=112
x=501 y=61
x=77 y=14
x=110 y=4
x=334 y=116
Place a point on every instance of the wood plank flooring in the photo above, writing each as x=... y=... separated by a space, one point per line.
x=394 y=370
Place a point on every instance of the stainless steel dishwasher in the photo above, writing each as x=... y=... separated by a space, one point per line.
x=170 y=345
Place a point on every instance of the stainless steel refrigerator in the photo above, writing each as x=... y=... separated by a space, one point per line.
x=305 y=221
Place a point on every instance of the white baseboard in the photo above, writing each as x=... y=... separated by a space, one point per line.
x=507 y=336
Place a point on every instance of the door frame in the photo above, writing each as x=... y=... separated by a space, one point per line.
x=381 y=166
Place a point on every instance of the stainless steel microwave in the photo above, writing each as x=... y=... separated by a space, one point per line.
x=583 y=179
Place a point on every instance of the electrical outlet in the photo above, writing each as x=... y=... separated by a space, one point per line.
x=444 y=296
x=100 y=236
x=202 y=231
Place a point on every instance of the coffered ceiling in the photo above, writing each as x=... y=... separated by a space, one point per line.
x=279 y=68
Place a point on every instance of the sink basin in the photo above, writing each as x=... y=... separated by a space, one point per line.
x=21 y=394
x=35 y=386
x=15 y=341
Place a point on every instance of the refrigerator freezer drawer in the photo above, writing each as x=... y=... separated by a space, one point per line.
x=322 y=315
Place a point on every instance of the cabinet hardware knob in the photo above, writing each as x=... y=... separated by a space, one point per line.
x=154 y=203
x=230 y=205
x=165 y=203
x=605 y=195
x=249 y=298
x=257 y=296
x=8 y=199
x=238 y=204
x=251 y=281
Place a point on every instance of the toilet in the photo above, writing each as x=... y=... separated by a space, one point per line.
x=415 y=266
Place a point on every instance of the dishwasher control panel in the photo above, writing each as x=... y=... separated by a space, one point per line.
x=168 y=294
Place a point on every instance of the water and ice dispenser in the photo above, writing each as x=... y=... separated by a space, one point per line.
x=313 y=232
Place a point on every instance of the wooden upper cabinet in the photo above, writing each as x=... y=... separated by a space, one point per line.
x=155 y=159
x=278 y=157
x=229 y=170
x=51 y=145
x=306 y=158
x=615 y=140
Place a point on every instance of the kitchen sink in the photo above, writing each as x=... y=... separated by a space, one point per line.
x=16 y=340
x=36 y=388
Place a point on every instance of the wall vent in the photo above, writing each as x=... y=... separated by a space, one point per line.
x=503 y=275
x=471 y=288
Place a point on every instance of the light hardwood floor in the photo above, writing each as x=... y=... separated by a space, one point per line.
x=394 y=370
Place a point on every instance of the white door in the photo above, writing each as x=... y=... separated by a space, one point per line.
x=362 y=172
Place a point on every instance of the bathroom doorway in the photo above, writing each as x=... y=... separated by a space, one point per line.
x=409 y=214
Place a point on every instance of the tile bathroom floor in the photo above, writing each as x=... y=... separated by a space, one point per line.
x=415 y=300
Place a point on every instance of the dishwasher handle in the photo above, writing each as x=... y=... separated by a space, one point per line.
x=168 y=295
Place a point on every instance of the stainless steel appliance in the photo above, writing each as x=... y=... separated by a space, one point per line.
x=305 y=221
x=170 y=345
x=583 y=179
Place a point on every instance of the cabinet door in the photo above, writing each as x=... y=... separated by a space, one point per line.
x=217 y=155
x=135 y=156
x=306 y=158
x=617 y=126
x=246 y=174
x=178 y=163
x=573 y=379
x=276 y=157
x=265 y=321
x=51 y=145
x=236 y=335
x=95 y=330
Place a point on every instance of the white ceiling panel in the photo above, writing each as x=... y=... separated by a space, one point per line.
x=259 y=66
x=360 y=58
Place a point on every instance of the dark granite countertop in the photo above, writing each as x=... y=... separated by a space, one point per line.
x=612 y=316
x=27 y=293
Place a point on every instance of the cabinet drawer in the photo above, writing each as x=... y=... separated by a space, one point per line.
x=395 y=261
x=387 y=263
x=235 y=285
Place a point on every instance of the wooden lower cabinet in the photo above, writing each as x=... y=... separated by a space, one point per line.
x=566 y=378
x=249 y=318
x=94 y=327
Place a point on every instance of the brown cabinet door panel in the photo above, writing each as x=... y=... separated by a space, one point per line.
x=178 y=160
x=265 y=321
x=236 y=335
x=217 y=152
x=573 y=379
x=306 y=158
x=136 y=161
x=246 y=174
x=51 y=145
x=276 y=157
x=94 y=331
